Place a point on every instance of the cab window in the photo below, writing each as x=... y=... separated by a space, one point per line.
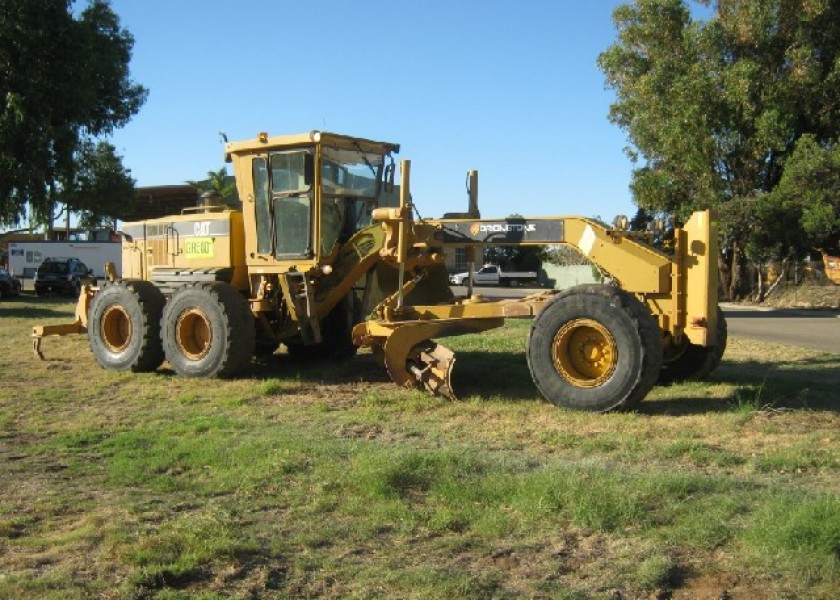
x=291 y=202
x=263 y=211
x=288 y=172
x=350 y=183
x=291 y=223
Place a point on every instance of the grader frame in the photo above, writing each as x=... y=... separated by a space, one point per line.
x=678 y=290
x=210 y=288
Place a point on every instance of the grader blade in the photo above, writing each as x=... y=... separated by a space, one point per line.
x=411 y=358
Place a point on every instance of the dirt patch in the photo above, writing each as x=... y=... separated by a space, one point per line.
x=720 y=587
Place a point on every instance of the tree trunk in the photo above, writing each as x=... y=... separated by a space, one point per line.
x=738 y=286
x=723 y=280
x=50 y=223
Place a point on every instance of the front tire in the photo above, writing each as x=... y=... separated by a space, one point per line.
x=336 y=333
x=208 y=331
x=594 y=348
x=124 y=326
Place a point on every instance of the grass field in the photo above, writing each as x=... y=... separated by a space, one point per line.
x=326 y=480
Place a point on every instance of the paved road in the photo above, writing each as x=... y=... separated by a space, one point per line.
x=814 y=329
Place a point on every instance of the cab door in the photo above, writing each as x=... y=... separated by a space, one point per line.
x=290 y=185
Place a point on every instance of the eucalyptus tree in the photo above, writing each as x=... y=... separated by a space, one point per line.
x=64 y=82
x=715 y=108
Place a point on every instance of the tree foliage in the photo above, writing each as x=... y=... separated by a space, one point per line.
x=102 y=188
x=64 y=81
x=515 y=258
x=715 y=111
x=564 y=256
x=803 y=211
x=217 y=181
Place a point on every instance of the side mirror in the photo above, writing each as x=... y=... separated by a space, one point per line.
x=308 y=169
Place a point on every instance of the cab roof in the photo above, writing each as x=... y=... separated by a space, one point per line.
x=264 y=142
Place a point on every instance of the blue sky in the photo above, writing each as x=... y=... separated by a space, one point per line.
x=509 y=88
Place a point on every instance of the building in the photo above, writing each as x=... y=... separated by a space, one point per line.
x=162 y=200
x=23 y=252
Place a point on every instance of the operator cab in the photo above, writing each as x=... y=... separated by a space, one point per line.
x=310 y=193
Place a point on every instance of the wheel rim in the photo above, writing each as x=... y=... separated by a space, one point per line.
x=193 y=333
x=116 y=328
x=584 y=353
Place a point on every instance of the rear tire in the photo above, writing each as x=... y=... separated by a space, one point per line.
x=208 y=331
x=690 y=362
x=595 y=348
x=124 y=326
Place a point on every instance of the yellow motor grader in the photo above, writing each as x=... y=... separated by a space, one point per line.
x=325 y=256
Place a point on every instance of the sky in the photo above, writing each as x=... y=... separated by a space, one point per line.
x=510 y=88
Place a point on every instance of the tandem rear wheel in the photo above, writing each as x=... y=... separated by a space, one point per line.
x=208 y=331
x=124 y=326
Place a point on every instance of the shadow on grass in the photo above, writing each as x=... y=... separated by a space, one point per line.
x=808 y=383
x=493 y=375
x=362 y=367
x=812 y=384
x=475 y=374
x=28 y=307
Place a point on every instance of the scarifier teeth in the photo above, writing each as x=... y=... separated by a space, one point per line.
x=430 y=364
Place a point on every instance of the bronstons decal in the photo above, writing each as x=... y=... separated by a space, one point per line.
x=544 y=231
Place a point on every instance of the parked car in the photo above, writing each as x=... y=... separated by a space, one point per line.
x=62 y=275
x=495 y=275
x=9 y=284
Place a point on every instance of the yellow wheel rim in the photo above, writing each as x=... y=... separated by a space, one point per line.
x=584 y=353
x=115 y=328
x=193 y=334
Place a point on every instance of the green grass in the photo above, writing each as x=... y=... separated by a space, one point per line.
x=329 y=481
